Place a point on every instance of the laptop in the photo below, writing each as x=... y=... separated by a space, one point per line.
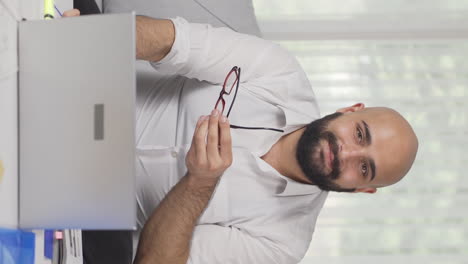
x=77 y=123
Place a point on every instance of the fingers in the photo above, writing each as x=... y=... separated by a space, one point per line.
x=225 y=141
x=71 y=13
x=211 y=151
x=213 y=139
x=192 y=147
x=198 y=141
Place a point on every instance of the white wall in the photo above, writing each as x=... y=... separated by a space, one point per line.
x=409 y=55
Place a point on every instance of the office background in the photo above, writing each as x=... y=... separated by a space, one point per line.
x=409 y=55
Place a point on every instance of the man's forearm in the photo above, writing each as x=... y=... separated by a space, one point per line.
x=167 y=234
x=154 y=38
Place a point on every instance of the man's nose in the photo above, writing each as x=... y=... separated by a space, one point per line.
x=350 y=152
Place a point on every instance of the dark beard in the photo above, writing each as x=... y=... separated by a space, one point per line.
x=313 y=165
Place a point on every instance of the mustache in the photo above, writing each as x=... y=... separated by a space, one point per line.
x=333 y=143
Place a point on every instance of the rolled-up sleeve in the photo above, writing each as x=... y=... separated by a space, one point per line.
x=206 y=53
x=230 y=245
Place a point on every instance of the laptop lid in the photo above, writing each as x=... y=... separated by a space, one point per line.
x=77 y=122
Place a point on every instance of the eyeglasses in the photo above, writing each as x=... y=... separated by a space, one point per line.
x=232 y=80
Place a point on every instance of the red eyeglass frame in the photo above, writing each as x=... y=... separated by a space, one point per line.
x=235 y=70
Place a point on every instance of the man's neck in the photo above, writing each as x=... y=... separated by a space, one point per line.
x=282 y=156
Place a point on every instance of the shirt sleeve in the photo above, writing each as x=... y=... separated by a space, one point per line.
x=230 y=245
x=206 y=53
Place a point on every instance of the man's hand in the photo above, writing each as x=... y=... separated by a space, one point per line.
x=211 y=151
x=167 y=234
x=71 y=13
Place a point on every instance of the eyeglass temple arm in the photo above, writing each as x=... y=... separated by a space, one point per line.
x=257 y=128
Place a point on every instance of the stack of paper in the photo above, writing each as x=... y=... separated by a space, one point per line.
x=58 y=247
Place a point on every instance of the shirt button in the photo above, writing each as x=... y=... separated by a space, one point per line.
x=174 y=154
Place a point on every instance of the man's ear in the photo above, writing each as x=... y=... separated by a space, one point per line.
x=366 y=190
x=353 y=108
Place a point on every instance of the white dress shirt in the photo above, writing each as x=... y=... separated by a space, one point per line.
x=256 y=215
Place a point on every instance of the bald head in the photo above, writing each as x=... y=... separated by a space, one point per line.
x=394 y=138
x=357 y=149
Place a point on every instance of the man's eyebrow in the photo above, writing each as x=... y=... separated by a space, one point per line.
x=372 y=166
x=368 y=142
x=368 y=134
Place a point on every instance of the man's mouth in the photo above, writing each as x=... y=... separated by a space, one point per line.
x=328 y=155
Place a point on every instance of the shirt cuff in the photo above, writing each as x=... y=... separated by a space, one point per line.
x=180 y=50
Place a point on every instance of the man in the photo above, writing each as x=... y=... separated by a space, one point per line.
x=262 y=208
x=248 y=189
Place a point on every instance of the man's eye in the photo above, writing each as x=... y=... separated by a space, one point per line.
x=359 y=135
x=364 y=168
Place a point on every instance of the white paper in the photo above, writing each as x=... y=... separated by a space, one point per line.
x=8 y=40
x=39 y=257
x=8 y=119
x=73 y=246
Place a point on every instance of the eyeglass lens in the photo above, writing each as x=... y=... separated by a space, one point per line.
x=231 y=81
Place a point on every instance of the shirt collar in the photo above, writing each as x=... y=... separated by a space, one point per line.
x=289 y=187
x=292 y=188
